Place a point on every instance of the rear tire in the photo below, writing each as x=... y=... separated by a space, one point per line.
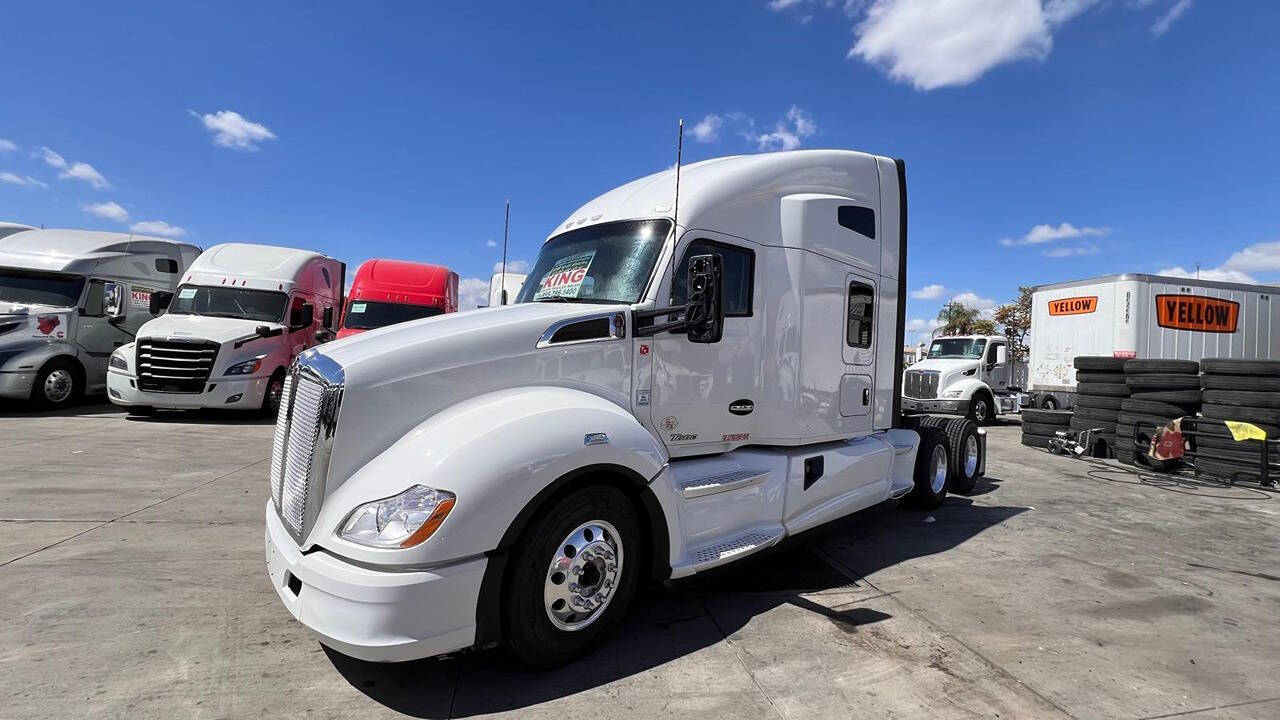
x=932 y=471
x=543 y=570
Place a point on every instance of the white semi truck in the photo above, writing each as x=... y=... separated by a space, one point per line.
x=69 y=299
x=672 y=391
x=971 y=375
x=240 y=316
x=1144 y=316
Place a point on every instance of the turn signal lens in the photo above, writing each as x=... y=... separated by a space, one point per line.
x=433 y=522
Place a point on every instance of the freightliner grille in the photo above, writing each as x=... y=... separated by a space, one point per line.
x=303 y=440
x=175 y=366
x=921 y=384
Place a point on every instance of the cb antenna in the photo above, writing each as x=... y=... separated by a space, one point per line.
x=506 y=232
x=679 y=150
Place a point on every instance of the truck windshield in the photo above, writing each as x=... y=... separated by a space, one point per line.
x=957 y=348
x=257 y=305
x=36 y=287
x=365 y=315
x=606 y=263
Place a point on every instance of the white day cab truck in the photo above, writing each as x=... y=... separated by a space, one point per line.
x=240 y=316
x=970 y=375
x=69 y=299
x=1144 y=316
x=669 y=393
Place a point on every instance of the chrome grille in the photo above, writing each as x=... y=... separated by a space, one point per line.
x=277 y=448
x=174 y=366
x=921 y=384
x=304 y=427
x=303 y=441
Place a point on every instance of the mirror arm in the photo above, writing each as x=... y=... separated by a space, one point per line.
x=638 y=316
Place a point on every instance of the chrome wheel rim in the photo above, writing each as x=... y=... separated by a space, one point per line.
x=970 y=456
x=58 y=386
x=583 y=575
x=938 y=469
x=980 y=409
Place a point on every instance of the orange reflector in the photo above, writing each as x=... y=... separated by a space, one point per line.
x=432 y=524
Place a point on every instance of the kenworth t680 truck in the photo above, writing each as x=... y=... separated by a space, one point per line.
x=681 y=382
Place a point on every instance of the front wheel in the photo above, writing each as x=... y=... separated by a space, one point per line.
x=980 y=409
x=1049 y=403
x=58 y=385
x=574 y=573
x=271 y=398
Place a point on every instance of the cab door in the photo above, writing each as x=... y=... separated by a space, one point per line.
x=996 y=367
x=704 y=394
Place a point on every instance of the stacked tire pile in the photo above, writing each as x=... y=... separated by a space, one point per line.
x=1159 y=391
x=1039 y=426
x=1101 y=390
x=1245 y=390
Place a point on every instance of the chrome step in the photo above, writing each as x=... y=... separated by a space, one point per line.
x=724 y=552
x=721 y=482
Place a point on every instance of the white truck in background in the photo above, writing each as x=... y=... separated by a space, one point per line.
x=504 y=288
x=240 y=316
x=1144 y=316
x=971 y=375
x=68 y=299
x=668 y=394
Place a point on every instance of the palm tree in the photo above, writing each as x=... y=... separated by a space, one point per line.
x=957 y=319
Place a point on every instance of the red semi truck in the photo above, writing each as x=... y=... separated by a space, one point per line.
x=386 y=292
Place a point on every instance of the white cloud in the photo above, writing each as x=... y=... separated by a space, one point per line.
x=14 y=179
x=986 y=306
x=1220 y=274
x=1165 y=21
x=777 y=5
x=1048 y=233
x=788 y=134
x=7 y=145
x=50 y=158
x=1262 y=257
x=708 y=129
x=108 y=210
x=491 y=243
x=158 y=227
x=232 y=130
x=1064 y=251
x=472 y=293
x=928 y=292
x=86 y=172
x=513 y=266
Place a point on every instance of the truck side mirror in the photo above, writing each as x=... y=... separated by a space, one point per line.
x=328 y=316
x=705 y=316
x=1002 y=354
x=113 y=302
x=302 y=317
x=159 y=301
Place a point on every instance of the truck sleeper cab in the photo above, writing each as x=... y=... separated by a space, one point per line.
x=240 y=316
x=655 y=404
x=386 y=292
x=69 y=299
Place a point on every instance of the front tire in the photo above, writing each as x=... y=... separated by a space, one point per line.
x=574 y=573
x=59 y=384
x=981 y=409
x=1049 y=403
x=271 y=397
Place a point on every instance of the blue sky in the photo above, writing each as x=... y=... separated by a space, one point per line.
x=1046 y=140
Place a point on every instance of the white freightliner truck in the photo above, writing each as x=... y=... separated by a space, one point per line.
x=971 y=375
x=68 y=299
x=240 y=316
x=670 y=393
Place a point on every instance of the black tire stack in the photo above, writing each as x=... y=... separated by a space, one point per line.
x=1039 y=426
x=1159 y=391
x=1245 y=390
x=1100 y=393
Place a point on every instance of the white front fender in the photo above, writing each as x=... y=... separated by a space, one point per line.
x=496 y=452
x=967 y=386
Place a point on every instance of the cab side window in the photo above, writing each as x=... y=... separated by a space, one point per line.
x=737 y=281
x=95 y=301
x=991 y=353
x=861 y=305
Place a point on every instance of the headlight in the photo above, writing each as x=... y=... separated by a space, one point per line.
x=402 y=521
x=117 y=361
x=952 y=393
x=248 y=367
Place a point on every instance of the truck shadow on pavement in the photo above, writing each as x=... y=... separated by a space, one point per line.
x=664 y=625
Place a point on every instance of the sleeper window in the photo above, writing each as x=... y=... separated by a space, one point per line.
x=861 y=300
x=738 y=266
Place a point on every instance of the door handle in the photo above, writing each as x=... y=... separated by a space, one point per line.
x=866 y=396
